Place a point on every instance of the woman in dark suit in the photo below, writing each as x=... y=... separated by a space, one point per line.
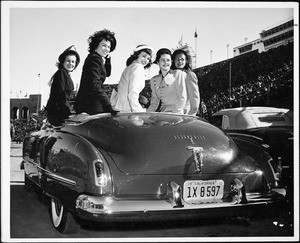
x=58 y=105
x=91 y=97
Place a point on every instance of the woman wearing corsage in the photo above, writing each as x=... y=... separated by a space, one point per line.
x=168 y=87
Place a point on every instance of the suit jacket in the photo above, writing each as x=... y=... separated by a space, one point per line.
x=193 y=94
x=130 y=85
x=58 y=105
x=91 y=97
x=170 y=90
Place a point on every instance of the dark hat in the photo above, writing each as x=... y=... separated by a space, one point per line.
x=69 y=51
x=161 y=52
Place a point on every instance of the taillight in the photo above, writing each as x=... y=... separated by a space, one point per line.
x=102 y=175
x=101 y=178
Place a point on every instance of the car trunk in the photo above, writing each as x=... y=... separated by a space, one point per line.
x=167 y=145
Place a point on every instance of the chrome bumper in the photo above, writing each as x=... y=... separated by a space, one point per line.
x=112 y=209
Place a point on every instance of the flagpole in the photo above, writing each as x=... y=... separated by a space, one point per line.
x=38 y=100
x=196 y=36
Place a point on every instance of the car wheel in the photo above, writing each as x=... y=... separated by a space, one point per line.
x=62 y=220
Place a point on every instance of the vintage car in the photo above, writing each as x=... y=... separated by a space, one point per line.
x=274 y=126
x=146 y=166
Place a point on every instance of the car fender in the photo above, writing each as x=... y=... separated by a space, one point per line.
x=254 y=149
x=66 y=167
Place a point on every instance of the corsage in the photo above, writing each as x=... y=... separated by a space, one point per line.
x=169 y=79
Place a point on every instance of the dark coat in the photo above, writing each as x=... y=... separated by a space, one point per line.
x=58 y=105
x=91 y=97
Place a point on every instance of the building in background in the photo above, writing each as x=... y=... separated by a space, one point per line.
x=23 y=108
x=279 y=34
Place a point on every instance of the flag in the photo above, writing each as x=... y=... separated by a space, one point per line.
x=196 y=35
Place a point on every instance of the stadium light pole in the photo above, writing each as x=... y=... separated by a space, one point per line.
x=227 y=49
x=38 y=98
x=211 y=51
x=196 y=36
x=230 y=85
x=20 y=105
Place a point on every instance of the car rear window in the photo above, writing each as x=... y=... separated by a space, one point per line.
x=272 y=119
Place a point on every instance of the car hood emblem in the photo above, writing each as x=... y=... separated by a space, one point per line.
x=198 y=157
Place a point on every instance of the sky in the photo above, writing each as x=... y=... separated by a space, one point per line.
x=38 y=32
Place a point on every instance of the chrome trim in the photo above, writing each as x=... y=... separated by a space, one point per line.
x=189 y=137
x=30 y=162
x=245 y=135
x=198 y=157
x=272 y=169
x=237 y=190
x=175 y=195
x=112 y=205
x=56 y=177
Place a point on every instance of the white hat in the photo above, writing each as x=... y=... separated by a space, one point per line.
x=141 y=47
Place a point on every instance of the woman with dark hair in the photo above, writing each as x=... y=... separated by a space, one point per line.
x=168 y=87
x=132 y=81
x=181 y=60
x=91 y=97
x=58 y=106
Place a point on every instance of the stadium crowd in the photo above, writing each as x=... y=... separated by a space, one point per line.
x=257 y=79
x=19 y=128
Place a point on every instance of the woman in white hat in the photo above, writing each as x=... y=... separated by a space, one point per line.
x=58 y=105
x=132 y=81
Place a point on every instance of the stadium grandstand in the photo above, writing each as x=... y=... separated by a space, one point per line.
x=279 y=34
x=252 y=79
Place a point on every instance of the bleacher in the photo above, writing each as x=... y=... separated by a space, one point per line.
x=257 y=79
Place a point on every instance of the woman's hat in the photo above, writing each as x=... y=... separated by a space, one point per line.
x=161 y=52
x=141 y=47
x=69 y=51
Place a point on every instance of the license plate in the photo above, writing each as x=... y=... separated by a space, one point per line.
x=208 y=191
